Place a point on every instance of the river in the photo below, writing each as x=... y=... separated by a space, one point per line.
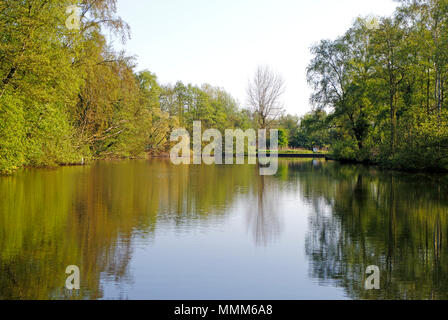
x=151 y=230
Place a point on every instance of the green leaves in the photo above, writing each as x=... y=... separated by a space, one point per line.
x=11 y=134
x=64 y=95
x=385 y=87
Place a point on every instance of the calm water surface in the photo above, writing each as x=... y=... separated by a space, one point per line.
x=151 y=230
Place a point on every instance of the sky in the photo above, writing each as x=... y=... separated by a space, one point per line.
x=221 y=42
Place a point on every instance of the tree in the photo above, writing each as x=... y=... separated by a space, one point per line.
x=390 y=52
x=291 y=124
x=313 y=131
x=64 y=95
x=38 y=84
x=340 y=73
x=384 y=85
x=264 y=95
x=283 y=138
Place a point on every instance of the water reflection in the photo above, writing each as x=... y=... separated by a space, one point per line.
x=393 y=220
x=100 y=217
x=263 y=220
x=90 y=217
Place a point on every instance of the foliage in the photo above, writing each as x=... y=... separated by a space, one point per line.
x=66 y=96
x=312 y=131
x=282 y=138
x=385 y=88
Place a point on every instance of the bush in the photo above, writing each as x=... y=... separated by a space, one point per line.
x=344 y=150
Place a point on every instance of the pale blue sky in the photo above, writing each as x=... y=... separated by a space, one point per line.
x=221 y=42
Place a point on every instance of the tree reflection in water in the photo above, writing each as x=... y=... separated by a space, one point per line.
x=364 y=217
x=93 y=216
x=263 y=219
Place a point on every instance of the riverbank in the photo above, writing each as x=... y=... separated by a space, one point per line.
x=387 y=166
x=283 y=155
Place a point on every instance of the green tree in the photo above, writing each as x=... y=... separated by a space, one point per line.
x=283 y=138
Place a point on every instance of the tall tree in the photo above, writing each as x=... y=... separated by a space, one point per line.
x=264 y=94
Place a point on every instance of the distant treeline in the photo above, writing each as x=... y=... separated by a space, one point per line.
x=380 y=90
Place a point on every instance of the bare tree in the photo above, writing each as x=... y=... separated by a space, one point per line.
x=264 y=95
